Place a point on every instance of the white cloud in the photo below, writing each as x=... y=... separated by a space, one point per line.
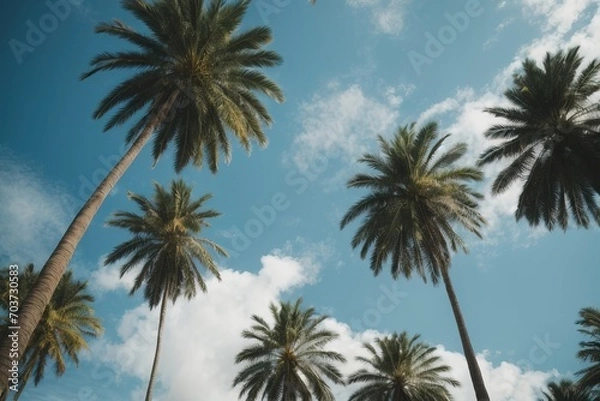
x=556 y=15
x=202 y=355
x=445 y=106
x=33 y=216
x=107 y=277
x=342 y=123
x=387 y=16
x=499 y=28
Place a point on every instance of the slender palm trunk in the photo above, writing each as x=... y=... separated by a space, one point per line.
x=24 y=377
x=480 y=391
x=161 y=321
x=33 y=306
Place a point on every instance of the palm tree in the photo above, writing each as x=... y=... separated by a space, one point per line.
x=196 y=78
x=61 y=334
x=552 y=138
x=590 y=350
x=402 y=369
x=165 y=248
x=415 y=199
x=288 y=360
x=566 y=390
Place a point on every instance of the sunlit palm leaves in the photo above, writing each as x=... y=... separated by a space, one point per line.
x=415 y=197
x=195 y=51
x=402 y=368
x=288 y=360
x=61 y=335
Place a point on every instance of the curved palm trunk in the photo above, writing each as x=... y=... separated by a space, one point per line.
x=33 y=306
x=161 y=321
x=480 y=391
x=23 y=378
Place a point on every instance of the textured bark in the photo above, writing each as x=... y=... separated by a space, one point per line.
x=161 y=321
x=32 y=307
x=480 y=391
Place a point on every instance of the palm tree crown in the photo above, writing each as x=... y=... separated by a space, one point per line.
x=66 y=323
x=552 y=138
x=590 y=349
x=402 y=369
x=164 y=244
x=287 y=361
x=414 y=199
x=196 y=58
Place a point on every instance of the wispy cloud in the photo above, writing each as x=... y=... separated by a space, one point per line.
x=499 y=28
x=342 y=123
x=556 y=15
x=387 y=16
x=33 y=215
x=107 y=278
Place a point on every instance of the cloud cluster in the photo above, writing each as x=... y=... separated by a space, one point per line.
x=200 y=359
x=342 y=123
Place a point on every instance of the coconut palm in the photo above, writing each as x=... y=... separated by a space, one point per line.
x=195 y=79
x=566 y=390
x=551 y=136
x=415 y=199
x=590 y=349
x=288 y=360
x=400 y=368
x=66 y=323
x=164 y=250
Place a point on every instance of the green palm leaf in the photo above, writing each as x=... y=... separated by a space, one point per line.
x=551 y=135
x=401 y=368
x=165 y=248
x=287 y=361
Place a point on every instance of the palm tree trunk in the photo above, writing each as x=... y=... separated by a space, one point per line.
x=26 y=374
x=480 y=391
x=161 y=321
x=24 y=377
x=4 y=395
x=33 y=306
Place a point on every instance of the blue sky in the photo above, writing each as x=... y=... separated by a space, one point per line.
x=349 y=74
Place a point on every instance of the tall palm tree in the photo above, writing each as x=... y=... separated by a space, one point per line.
x=415 y=199
x=165 y=248
x=402 y=369
x=288 y=360
x=196 y=78
x=551 y=135
x=590 y=350
x=66 y=323
x=566 y=390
